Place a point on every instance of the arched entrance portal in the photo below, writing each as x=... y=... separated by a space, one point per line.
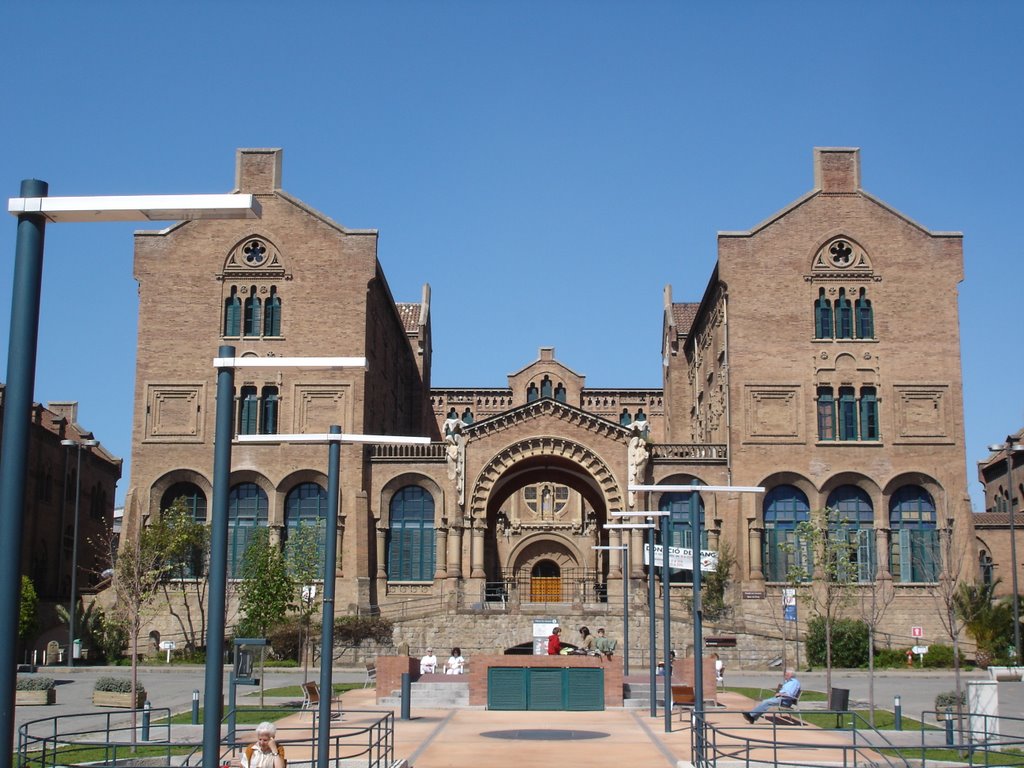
x=542 y=505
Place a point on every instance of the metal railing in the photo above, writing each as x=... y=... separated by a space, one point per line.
x=68 y=740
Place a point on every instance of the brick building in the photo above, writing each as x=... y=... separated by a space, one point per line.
x=995 y=554
x=805 y=369
x=48 y=533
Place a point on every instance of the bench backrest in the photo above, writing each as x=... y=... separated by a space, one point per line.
x=312 y=692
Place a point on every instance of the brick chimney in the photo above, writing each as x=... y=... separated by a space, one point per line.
x=837 y=169
x=258 y=171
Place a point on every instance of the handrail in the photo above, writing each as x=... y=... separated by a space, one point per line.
x=47 y=743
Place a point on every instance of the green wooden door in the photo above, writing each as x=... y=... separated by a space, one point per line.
x=545 y=689
x=506 y=688
x=584 y=689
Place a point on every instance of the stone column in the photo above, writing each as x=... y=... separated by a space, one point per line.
x=477 y=551
x=441 y=552
x=636 y=553
x=754 y=534
x=382 y=551
x=883 y=539
x=454 y=552
x=614 y=555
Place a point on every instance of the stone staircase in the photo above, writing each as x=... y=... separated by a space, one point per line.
x=433 y=692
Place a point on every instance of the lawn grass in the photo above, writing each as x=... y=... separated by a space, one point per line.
x=245 y=715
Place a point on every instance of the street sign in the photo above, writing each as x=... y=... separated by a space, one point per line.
x=920 y=650
x=681 y=558
x=917 y=631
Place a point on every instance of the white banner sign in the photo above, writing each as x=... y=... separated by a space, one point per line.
x=681 y=558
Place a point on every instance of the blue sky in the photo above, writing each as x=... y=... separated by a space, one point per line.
x=548 y=167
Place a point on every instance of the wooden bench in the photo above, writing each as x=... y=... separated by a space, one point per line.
x=683 y=696
x=371 y=673
x=311 y=699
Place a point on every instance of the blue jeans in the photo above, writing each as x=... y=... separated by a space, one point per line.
x=774 y=701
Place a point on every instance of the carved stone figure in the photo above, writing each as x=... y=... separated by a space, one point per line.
x=638 y=455
x=455 y=453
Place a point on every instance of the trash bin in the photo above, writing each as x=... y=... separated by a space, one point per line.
x=839 y=699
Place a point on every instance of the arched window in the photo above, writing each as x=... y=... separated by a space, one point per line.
x=193 y=562
x=683 y=509
x=986 y=568
x=822 y=316
x=784 y=507
x=624 y=418
x=545 y=387
x=914 y=551
x=865 y=316
x=305 y=506
x=272 y=314
x=560 y=393
x=247 y=511
x=251 y=316
x=467 y=416
x=844 y=316
x=248 y=411
x=410 y=539
x=851 y=519
x=531 y=393
x=233 y=314
x=190 y=495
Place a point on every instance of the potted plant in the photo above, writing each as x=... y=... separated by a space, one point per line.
x=117 y=692
x=948 y=701
x=33 y=691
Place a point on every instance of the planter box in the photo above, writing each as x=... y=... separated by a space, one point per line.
x=35 y=698
x=115 y=699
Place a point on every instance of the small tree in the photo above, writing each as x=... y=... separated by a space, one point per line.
x=266 y=590
x=714 y=585
x=875 y=599
x=990 y=623
x=28 y=616
x=303 y=553
x=831 y=558
x=184 y=550
x=944 y=592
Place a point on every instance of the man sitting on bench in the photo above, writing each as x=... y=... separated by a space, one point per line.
x=786 y=695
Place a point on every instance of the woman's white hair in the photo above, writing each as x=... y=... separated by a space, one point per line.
x=266 y=728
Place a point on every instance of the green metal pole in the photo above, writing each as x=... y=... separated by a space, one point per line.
x=652 y=630
x=214 y=706
x=698 y=640
x=666 y=587
x=327 y=623
x=21 y=374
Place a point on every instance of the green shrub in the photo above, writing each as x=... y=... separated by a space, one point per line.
x=284 y=640
x=117 y=685
x=849 y=642
x=939 y=656
x=891 y=658
x=35 y=683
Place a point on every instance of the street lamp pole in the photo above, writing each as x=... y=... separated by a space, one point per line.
x=1011 y=447
x=625 y=605
x=73 y=603
x=33 y=210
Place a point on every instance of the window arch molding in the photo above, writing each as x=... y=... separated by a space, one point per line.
x=397 y=483
x=163 y=484
x=861 y=483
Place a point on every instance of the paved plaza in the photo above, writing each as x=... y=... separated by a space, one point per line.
x=458 y=738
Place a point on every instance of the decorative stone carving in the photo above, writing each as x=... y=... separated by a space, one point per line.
x=638 y=455
x=455 y=455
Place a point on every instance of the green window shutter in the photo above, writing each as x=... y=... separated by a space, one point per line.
x=232 y=315
x=822 y=317
x=865 y=555
x=868 y=414
x=826 y=414
x=506 y=688
x=584 y=689
x=906 y=556
x=545 y=689
x=847 y=414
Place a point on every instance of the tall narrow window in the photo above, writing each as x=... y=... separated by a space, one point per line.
x=268 y=411
x=847 y=414
x=305 y=506
x=826 y=414
x=272 y=314
x=233 y=314
x=868 y=413
x=914 y=554
x=531 y=393
x=865 y=317
x=251 y=319
x=560 y=393
x=247 y=511
x=683 y=509
x=784 y=507
x=545 y=387
x=822 y=316
x=248 y=411
x=851 y=520
x=624 y=418
x=410 y=538
x=467 y=416
x=844 y=316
